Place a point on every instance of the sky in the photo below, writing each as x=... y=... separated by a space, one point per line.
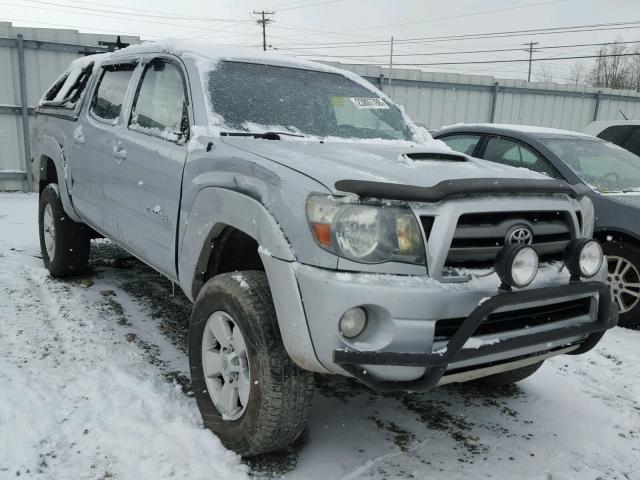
x=336 y=29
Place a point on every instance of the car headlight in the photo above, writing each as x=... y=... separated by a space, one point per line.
x=588 y=217
x=365 y=233
x=583 y=257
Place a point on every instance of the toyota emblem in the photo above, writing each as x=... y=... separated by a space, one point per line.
x=519 y=235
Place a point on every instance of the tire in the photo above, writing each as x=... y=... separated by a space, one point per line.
x=67 y=252
x=509 y=377
x=619 y=256
x=280 y=393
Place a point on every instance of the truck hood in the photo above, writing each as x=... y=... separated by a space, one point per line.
x=390 y=162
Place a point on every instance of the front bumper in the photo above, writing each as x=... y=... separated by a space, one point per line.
x=436 y=363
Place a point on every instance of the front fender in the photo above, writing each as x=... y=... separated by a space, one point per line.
x=213 y=209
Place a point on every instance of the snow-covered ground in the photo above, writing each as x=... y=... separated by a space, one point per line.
x=94 y=385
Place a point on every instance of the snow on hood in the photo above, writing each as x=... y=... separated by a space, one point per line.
x=379 y=161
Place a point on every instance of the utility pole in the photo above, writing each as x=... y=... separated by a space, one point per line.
x=263 y=21
x=391 y=62
x=530 y=50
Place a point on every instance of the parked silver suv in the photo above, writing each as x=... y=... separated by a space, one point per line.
x=315 y=228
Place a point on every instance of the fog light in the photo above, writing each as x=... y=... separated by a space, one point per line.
x=517 y=265
x=353 y=322
x=583 y=257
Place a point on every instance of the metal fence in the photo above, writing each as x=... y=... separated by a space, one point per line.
x=32 y=58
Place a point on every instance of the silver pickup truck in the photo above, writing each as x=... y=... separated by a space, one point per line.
x=315 y=228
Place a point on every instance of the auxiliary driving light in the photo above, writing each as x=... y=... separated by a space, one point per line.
x=583 y=257
x=517 y=265
x=353 y=322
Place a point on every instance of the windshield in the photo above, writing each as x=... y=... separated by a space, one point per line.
x=603 y=165
x=256 y=97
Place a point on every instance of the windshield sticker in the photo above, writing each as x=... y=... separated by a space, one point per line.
x=369 y=103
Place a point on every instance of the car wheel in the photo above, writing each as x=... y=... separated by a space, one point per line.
x=507 y=378
x=64 y=244
x=624 y=280
x=249 y=391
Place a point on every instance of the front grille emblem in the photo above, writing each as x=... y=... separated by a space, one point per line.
x=519 y=235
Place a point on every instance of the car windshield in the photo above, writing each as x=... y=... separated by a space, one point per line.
x=257 y=98
x=603 y=165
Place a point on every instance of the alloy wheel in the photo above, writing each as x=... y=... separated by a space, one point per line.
x=226 y=365
x=624 y=281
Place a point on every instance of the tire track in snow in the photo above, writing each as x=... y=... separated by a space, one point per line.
x=83 y=402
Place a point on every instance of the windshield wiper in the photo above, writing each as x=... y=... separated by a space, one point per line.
x=265 y=135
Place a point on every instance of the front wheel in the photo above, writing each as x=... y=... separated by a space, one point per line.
x=623 y=277
x=249 y=392
x=64 y=244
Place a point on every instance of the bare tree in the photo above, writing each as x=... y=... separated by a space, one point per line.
x=578 y=73
x=544 y=73
x=634 y=69
x=610 y=69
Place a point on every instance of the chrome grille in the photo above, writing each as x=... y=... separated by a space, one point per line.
x=479 y=236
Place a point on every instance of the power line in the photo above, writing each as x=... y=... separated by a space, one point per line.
x=106 y=14
x=309 y=5
x=263 y=22
x=474 y=36
x=124 y=11
x=484 y=12
x=464 y=52
x=517 y=60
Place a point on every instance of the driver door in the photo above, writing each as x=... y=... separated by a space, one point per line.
x=145 y=177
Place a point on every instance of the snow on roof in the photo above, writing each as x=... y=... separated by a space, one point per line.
x=532 y=129
x=214 y=53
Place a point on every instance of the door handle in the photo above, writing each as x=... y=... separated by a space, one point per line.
x=119 y=152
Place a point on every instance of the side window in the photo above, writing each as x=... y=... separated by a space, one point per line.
x=67 y=89
x=159 y=106
x=53 y=91
x=462 y=143
x=633 y=142
x=109 y=95
x=514 y=154
x=616 y=134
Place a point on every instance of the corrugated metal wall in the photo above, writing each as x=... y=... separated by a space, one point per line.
x=433 y=99
x=439 y=99
x=42 y=67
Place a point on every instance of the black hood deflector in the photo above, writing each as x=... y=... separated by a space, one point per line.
x=457 y=188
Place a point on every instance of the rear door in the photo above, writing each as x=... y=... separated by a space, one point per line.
x=144 y=176
x=93 y=141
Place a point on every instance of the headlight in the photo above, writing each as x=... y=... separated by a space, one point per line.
x=365 y=233
x=588 y=217
x=583 y=257
x=517 y=265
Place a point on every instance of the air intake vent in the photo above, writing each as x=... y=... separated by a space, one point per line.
x=441 y=157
